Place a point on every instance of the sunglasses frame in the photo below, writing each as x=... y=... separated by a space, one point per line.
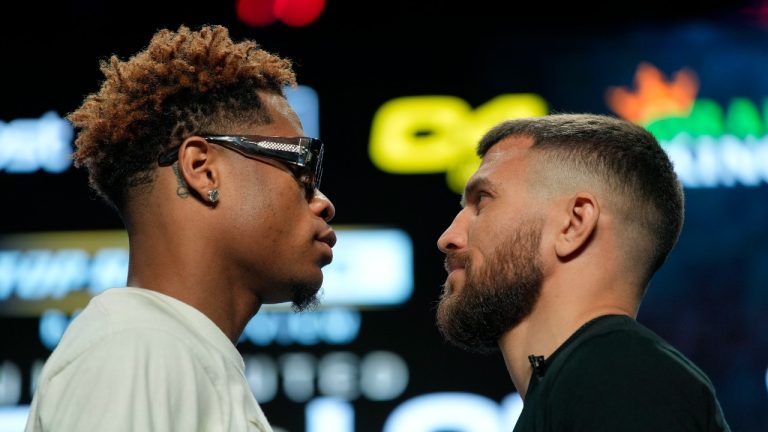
x=304 y=153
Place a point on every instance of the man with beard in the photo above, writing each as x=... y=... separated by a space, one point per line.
x=194 y=144
x=561 y=229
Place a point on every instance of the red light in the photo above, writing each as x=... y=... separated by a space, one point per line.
x=295 y=13
x=298 y=13
x=257 y=13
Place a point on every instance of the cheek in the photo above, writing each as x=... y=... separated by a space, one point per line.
x=483 y=233
x=252 y=213
x=270 y=211
x=280 y=218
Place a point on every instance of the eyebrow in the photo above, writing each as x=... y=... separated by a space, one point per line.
x=473 y=186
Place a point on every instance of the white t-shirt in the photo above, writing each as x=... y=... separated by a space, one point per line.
x=138 y=360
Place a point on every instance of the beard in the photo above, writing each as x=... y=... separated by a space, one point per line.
x=305 y=297
x=496 y=295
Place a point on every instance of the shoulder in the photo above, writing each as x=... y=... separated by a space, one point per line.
x=132 y=361
x=137 y=378
x=117 y=324
x=626 y=348
x=627 y=353
x=131 y=356
x=623 y=374
x=127 y=334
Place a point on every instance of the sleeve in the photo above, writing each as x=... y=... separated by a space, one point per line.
x=138 y=381
x=613 y=384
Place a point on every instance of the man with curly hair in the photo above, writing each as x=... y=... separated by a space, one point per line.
x=194 y=144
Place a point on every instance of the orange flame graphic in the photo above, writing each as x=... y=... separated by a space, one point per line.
x=655 y=96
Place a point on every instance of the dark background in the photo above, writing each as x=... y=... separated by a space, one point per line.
x=710 y=300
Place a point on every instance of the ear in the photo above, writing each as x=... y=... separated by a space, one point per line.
x=578 y=224
x=198 y=164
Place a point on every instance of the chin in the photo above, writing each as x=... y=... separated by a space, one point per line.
x=305 y=297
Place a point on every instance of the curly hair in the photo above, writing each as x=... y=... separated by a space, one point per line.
x=184 y=82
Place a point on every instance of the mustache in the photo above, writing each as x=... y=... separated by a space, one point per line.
x=454 y=260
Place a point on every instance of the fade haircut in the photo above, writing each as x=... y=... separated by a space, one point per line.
x=184 y=83
x=623 y=158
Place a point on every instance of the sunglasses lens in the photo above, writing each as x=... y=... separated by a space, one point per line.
x=301 y=155
x=317 y=169
x=317 y=175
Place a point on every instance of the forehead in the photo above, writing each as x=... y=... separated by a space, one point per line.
x=505 y=160
x=285 y=122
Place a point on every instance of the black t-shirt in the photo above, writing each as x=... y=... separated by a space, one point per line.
x=616 y=375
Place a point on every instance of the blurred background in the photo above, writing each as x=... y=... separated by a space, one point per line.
x=401 y=91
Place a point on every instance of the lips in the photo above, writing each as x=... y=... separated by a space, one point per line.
x=455 y=261
x=329 y=238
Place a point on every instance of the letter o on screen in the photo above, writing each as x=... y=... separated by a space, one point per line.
x=465 y=412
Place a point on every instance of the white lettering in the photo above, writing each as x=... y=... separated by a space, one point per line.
x=32 y=273
x=739 y=163
x=109 y=268
x=511 y=408
x=435 y=412
x=329 y=414
x=370 y=267
x=379 y=375
x=37 y=369
x=338 y=375
x=41 y=273
x=383 y=376
x=38 y=274
x=298 y=371
x=10 y=383
x=305 y=102
x=335 y=326
x=8 y=259
x=726 y=161
x=261 y=374
x=13 y=418
x=28 y=145
x=52 y=325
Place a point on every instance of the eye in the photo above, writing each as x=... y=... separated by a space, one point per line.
x=481 y=200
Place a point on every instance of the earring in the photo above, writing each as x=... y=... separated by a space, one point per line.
x=213 y=195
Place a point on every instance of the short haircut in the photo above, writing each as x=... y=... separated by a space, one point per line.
x=184 y=83
x=619 y=155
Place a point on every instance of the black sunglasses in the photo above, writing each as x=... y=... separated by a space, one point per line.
x=303 y=155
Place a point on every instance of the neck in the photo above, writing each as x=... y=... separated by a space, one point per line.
x=229 y=311
x=557 y=315
x=173 y=250
x=166 y=264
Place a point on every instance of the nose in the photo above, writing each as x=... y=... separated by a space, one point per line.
x=322 y=206
x=455 y=236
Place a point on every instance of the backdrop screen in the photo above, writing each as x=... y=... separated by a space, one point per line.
x=376 y=84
